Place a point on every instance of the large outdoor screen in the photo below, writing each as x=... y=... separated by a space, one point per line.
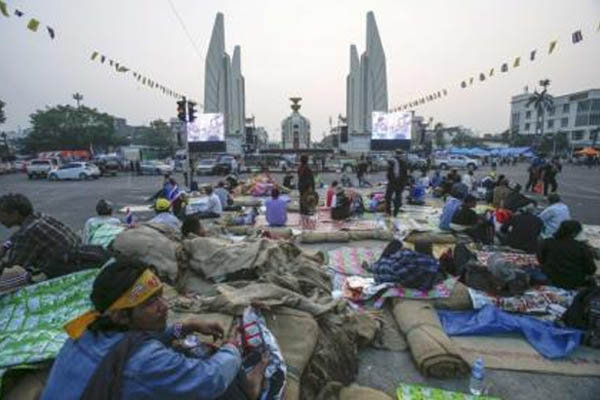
x=391 y=126
x=207 y=128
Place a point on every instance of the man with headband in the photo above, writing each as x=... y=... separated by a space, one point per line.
x=121 y=349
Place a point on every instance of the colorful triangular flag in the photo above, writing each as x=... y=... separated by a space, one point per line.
x=122 y=69
x=552 y=46
x=463 y=84
x=51 y=32
x=102 y=59
x=532 y=55
x=517 y=62
x=33 y=25
x=445 y=92
x=19 y=13
x=482 y=76
x=577 y=37
x=492 y=72
x=504 y=67
x=94 y=55
x=3 y=9
x=111 y=62
x=471 y=81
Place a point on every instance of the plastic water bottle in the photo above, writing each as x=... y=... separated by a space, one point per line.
x=477 y=376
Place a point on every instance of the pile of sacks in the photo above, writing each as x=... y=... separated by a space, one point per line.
x=319 y=336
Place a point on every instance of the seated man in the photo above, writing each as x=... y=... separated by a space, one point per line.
x=467 y=221
x=162 y=207
x=516 y=200
x=554 y=215
x=330 y=198
x=225 y=198
x=276 y=209
x=452 y=205
x=416 y=195
x=123 y=348
x=522 y=231
x=41 y=244
x=565 y=258
x=214 y=209
x=341 y=209
x=104 y=211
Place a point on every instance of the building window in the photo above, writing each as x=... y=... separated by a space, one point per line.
x=577 y=135
x=550 y=123
x=528 y=114
x=551 y=111
x=515 y=119
x=581 y=120
x=596 y=105
x=566 y=108
x=583 y=106
x=564 y=122
x=594 y=119
x=538 y=125
x=527 y=126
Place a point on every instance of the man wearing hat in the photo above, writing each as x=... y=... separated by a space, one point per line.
x=397 y=175
x=104 y=210
x=164 y=215
x=122 y=349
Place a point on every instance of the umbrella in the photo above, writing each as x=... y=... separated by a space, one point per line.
x=588 y=151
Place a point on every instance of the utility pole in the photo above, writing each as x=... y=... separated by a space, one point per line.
x=78 y=97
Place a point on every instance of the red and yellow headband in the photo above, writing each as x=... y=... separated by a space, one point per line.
x=144 y=287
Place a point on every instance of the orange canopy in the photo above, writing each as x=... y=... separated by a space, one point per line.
x=588 y=151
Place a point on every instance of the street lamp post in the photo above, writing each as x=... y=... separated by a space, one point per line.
x=78 y=97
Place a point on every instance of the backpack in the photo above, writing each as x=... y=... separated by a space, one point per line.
x=584 y=314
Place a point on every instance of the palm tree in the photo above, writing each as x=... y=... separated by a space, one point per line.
x=542 y=102
x=439 y=135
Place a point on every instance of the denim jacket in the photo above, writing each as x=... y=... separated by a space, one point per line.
x=154 y=370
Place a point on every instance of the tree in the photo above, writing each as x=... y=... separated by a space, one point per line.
x=505 y=136
x=2 y=116
x=462 y=139
x=542 y=102
x=158 y=134
x=68 y=128
x=440 y=142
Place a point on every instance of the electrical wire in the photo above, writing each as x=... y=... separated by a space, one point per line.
x=187 y=33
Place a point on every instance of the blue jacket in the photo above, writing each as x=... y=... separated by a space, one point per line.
x=451 y=206
x=154 y=371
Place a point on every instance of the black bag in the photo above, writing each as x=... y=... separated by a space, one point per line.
x=479 y=277
x=584 y=314
x=462 y=256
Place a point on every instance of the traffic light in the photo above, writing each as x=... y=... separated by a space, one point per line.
x=191 y=111
x=181 y=111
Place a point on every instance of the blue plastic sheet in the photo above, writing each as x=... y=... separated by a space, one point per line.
x=549 y=340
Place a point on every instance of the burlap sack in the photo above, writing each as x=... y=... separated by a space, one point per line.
x=433 y=352
x=147 y=244
x=296 y=332
x=322 y=237
x=355 y=392
x=371 y=235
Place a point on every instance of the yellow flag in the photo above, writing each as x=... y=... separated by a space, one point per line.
x=33 y=25
x=94 y=55
x=3 y=9
x=517 y=62
x=552 y=46
x=492 y=72
x=471 y=81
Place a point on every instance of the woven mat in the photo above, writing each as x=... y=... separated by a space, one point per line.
x=538 y=300
x=510 y=352
x=32 y=318
x=348 y=261
x=406 y=391
x=515 y=258
x=293 y=221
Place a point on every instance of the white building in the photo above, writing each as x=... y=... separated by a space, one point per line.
x=577 y=114
x=295 y=129
x=224 y=90
x=366 y=89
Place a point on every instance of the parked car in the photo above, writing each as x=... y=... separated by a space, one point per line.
x=21 y=165
x=415 y=162
x=457 y=161
x=206 y=166
x=75 y=170
x=154 y=167
x=275 y=162
x=108 y=165
x=223 y=165
x=39 y=168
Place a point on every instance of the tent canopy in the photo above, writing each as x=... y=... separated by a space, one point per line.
x=588 y=151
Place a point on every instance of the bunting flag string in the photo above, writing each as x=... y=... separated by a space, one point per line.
x=33 y=24
x=576 y=37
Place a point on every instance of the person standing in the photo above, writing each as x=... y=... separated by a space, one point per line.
x=550 y=171
x=234 y=166
x=397 y=175
x=306 y=184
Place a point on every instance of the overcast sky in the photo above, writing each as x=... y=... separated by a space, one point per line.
x=296 y=48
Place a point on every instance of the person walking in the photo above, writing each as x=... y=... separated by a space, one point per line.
x=550 y=171
x=397 y=175
x=306 y=184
